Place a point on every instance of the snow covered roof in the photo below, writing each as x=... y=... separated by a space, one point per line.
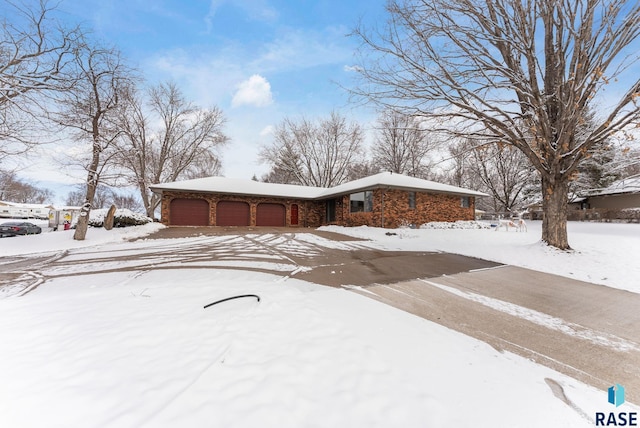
x=627 y=185
x=398 y=181
x=240 y=187
x=25 y=206
x=257 y=188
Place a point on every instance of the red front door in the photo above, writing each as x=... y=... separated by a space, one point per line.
x=294 y=214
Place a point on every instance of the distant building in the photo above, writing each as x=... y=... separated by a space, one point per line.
x=619 y=195
x=17 y=210
x=618 y=202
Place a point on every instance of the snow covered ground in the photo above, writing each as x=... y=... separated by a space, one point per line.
x=603 y=253
x=138 y=349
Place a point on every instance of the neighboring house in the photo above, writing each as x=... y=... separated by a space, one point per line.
x=381 y=200
x=618 y=202
x=17 y=210
x=619 y=195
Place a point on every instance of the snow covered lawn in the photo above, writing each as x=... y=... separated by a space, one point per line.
x=603 y=253
x=138 y=349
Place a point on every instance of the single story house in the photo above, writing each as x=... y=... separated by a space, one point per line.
x=618 y=202
x=621 y=194
x=382 y=200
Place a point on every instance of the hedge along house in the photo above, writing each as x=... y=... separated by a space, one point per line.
x=382 y=200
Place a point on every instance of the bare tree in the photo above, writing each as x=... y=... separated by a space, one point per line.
x=34 y=51
x=16 y=190
x=206 y=165
x=184 y=144
x=500 y=170
x=528 y=71
x=127 y=201
x=7 y=179
x=401 y=145
x=90 y=109
x=619 y=158
x=314 y=154
x=102 y=197
x=361 y=169
x=457 y=172
x=279 y=174
x=75 y=198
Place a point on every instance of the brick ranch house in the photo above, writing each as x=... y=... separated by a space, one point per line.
x=382 y=200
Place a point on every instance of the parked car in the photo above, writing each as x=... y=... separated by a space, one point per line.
x=13 y=228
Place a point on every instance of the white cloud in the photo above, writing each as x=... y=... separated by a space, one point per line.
x=267 y=131
x=255 y=91
x=256 y=10
x=299 y=49
x=213 y=8
x=352 y=68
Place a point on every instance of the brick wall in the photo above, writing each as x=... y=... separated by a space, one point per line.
x=315 y=213
x=310 y=213
x=390 y=208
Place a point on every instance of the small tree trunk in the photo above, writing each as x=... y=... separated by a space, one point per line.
x=554 y=205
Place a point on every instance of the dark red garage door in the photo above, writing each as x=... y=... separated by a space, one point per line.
x=189 y=212
x=232 y=213
x=270 y=215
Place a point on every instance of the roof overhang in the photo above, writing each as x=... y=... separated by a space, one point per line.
x=228 y=186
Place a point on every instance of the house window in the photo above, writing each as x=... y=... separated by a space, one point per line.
x=412 y=200
x=464 y=202
x=361 y=202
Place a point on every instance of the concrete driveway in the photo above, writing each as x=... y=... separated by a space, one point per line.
x=587 y=331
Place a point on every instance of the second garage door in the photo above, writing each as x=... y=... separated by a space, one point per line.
x=232 y=213
x=270 y=215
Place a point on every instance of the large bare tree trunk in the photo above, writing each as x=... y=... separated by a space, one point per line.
x=554 y=206
x=92 y=184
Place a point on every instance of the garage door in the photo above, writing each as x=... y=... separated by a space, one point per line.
x=270 y=215
x=232 y=213
x=189 y=212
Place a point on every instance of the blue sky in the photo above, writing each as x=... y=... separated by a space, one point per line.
x=258 y=60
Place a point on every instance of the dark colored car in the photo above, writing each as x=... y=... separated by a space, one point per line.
x=14 y=228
